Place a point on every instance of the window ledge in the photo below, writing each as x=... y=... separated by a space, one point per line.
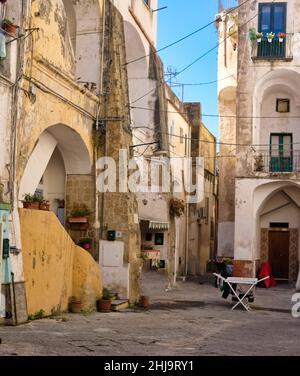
x=287 y=59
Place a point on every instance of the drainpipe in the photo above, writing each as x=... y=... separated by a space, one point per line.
x=102 y=227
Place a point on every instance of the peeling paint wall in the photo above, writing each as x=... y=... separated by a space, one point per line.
x=55 y=268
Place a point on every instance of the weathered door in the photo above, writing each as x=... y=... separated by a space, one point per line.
x=279 y=242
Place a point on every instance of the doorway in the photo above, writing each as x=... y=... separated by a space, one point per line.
x=279 y=245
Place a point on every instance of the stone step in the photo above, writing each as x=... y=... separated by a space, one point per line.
x=119 y=305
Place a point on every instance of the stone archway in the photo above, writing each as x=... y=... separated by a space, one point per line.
x=63 y=143
x=277 y=228
x=60 y=168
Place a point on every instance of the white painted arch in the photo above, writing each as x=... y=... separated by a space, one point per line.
x=75 y=155
x=279 y=83
x=251 y=198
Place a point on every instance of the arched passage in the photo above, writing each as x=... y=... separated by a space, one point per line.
x=277 y=227
x=59 y=157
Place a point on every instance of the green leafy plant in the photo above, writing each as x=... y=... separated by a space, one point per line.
x=7 y=21
x=80 y=211
x=37 y=316
x=270 y=36
x=107 y=295
x=252 y=34
x=33 y=198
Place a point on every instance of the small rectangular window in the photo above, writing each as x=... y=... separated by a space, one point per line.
x=283 y=105
x=148 y=237
x=159 y=239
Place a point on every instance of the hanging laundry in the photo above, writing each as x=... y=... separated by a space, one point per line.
x=2 y=46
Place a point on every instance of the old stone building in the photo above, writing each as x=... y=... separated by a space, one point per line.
x=70 y=106
x=81 y=82
x=202 y=213
x=260 y=222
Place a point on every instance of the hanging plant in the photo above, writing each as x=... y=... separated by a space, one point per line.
x=177 y=207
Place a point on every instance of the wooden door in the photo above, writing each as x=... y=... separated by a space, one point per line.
x=279 y=243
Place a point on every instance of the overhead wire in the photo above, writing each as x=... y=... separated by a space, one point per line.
x=184 y=37
x=220 y=116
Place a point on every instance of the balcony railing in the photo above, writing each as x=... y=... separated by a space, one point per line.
x=265 y=162
x=274 y=49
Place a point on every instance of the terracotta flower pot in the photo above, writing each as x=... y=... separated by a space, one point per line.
x=45 y=207
x=145 y=301
x=31 y=205
x=104 y=305
x=75 y=306
x=10 y=29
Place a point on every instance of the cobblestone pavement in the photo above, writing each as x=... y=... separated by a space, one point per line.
x=191 y=319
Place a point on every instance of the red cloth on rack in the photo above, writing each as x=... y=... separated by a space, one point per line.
x=266 y=271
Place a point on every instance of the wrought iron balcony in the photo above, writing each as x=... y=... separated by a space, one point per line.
x=282 y=162
x=274 y=49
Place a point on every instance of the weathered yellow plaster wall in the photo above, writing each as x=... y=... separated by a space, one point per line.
x=86 y=278
x=55 y=269
x=56 y=97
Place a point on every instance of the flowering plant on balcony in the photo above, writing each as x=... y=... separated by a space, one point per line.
x=259 y=37
x=270 y=37
x=281 y=37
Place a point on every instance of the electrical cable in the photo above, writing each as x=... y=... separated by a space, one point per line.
x=220 y=116
x=210 y=50
x=185 y=37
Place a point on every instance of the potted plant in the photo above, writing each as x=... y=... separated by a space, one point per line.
x=259 y=37
x=252 y=34
x=270 y=37
x=104 y=304
x=9 y=26
x=75 y=305
x=32 y=201
x=79 y=215
x=281 y=37
x=85 y=244
x=45 y=205
x=145 y=301
x=177 y=207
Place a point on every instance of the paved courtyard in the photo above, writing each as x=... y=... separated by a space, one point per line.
x=191 y=319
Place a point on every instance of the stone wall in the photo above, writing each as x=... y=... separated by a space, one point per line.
x=81 y=191
x=119 y=210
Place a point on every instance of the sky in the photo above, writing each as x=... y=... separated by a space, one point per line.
x=179 y=19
